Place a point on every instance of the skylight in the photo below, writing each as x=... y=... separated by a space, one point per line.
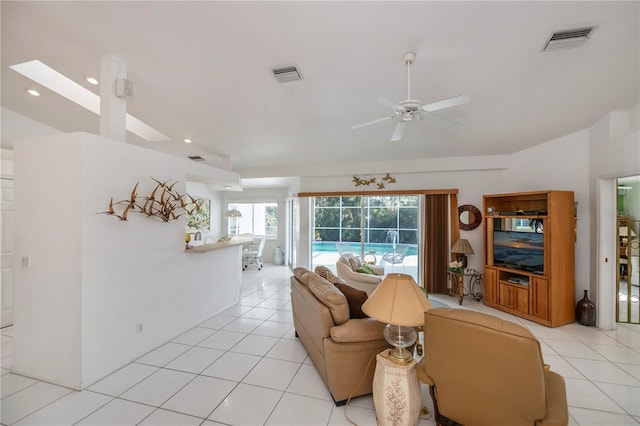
x=64 y=86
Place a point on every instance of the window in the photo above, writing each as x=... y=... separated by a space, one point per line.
x=371 y=225
x=257 y=219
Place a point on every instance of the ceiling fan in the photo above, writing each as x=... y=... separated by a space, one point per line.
x=411 y=110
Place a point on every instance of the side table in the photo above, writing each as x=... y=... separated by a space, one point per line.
x=396 y=392
x=457 y=284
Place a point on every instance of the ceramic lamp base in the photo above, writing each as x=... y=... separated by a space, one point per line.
x=396 y=392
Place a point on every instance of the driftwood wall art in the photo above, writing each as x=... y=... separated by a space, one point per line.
x=380 y=184
x=163 y=202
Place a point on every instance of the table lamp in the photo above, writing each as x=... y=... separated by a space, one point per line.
x=399 y=302
x=462 y=248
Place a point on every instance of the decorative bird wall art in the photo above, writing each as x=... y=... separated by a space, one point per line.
x=163 y=202
x=368 y=180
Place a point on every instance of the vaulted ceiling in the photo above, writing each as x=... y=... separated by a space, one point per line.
x=203 y=70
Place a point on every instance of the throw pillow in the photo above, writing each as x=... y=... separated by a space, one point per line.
x=366 y=269
x=327 y=274
x=355 y=263
x=355 y=298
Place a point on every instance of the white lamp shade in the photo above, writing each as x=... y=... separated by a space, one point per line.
x=233 y=213
x=397 y=300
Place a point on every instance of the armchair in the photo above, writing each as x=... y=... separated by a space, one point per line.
x=346 y=269
x=505 y=382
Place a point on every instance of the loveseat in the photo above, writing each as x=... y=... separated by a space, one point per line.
x=340 y=347
x=347 y=266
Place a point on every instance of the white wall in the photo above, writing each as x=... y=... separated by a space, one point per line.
x=561 y=164
x=6 y=163
x=93 y=278
x=16 y=126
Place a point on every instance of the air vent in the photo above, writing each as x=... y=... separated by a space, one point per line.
x=195 y=158
x=568 y=39
x=287 y=74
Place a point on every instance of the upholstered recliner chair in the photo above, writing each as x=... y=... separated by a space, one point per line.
x=347 y=266
x=482 y=370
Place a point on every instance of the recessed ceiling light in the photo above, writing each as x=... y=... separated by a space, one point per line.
x=228 y=187
x=187 y=140
x=92 y=80
x=33 y=92
x=64 y=86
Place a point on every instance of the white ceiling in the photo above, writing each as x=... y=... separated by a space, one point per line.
x=203 y=70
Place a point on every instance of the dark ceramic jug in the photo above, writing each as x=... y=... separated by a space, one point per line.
x=586 y=311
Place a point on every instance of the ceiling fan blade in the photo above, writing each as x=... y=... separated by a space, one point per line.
x=378 y=120
x=447 y=103
x=441 y=122
x=398 y=133
x=393 y=105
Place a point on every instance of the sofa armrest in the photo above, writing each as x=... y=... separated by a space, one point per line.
x=422 y=373
x=358 y=330
x=379 y=270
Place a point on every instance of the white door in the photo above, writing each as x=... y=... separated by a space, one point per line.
x=6 y=253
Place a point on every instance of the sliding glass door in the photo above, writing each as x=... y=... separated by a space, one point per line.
x=383 y=230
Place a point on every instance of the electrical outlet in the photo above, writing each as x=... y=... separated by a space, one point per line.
x=139 y=328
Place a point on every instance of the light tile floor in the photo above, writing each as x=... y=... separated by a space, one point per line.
x=244 y=366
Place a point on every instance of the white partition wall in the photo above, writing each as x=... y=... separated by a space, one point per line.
x=92 y=292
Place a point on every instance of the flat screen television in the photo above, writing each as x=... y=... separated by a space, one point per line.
x=519 y=250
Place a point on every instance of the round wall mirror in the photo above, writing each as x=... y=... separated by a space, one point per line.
x=469 y=217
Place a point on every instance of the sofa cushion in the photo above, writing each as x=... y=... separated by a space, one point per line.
x=303 y=275
x=355 y=298
x=358 y=330
x=367 y=269
x=355 y=263
x=331 y=297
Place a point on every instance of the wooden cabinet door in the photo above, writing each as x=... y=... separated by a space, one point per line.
x=514 y=297
x=540 y=298
x=504 y=296
x=490 y=285
x=520 y=299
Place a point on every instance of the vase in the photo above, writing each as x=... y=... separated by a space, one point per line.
x=586 y=311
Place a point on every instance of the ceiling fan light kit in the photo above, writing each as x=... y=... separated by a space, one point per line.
x=411 y=110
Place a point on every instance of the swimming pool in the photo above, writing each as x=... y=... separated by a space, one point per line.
x=379 y=248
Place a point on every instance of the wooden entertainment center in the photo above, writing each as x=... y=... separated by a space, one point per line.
x=529 y=255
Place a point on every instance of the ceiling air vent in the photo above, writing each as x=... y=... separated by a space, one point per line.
x=287 y=74
x=568 y=39
x=195 y=158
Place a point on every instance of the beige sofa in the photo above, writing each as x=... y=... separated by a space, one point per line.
x=482 y=370
x=340 y=347
x=346 y=269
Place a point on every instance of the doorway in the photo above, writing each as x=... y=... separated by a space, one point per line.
x=6 y=255
x=628 y=250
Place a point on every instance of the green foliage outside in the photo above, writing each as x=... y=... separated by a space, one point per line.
x=339 y=219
